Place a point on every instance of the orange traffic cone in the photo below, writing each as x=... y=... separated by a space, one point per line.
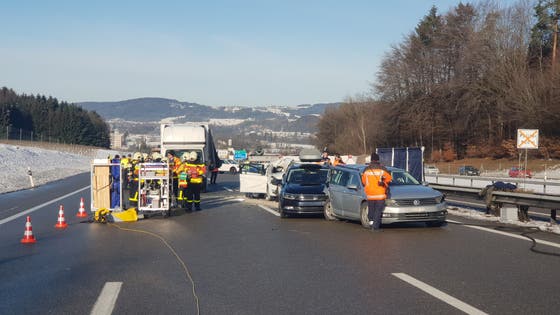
x=61 y=223
x=82 y=211
x=28 y=237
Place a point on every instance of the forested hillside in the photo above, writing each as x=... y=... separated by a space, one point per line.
x=48 y=119
x=461 y=84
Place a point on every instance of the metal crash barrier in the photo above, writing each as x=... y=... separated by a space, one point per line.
x=519 y=199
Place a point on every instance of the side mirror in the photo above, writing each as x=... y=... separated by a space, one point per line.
x=352 y=186
x=276 y=181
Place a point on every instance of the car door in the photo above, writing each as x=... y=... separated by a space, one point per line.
x=336 y=188
x=352 y=195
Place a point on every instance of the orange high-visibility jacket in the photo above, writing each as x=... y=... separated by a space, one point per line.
x=371 y=178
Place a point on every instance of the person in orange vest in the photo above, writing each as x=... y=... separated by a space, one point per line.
x=376 y=179
x=337 y=160
x=195 y=173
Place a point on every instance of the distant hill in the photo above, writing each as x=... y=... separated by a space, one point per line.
x=301 y=118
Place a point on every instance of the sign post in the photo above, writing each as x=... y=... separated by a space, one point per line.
x=527 y=139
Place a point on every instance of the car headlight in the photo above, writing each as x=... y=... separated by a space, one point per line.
x=440 y=199
x=391 y=202
x=290 y=196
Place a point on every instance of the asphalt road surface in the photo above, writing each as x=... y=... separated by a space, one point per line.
x=244 y=259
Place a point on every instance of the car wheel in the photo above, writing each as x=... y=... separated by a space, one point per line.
x=268 y=197
x=364 y=215
x=328 y=211
x=435 y=223
x=232 y=171
x=283 y=214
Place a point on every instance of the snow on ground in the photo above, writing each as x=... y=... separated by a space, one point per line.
x=46 y=165
x=480 y=216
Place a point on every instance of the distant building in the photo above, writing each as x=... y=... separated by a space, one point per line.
x=117 y=140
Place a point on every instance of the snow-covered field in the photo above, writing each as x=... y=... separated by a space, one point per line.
x=45 y=165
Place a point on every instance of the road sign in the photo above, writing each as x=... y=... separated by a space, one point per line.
x=240 y=155
x=527 y=138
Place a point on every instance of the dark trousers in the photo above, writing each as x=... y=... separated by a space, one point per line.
x=193 y=196
x=375 y=211
x=213 y=177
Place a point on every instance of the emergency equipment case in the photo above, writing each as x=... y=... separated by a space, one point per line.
x=106 y=189
x=153 y=188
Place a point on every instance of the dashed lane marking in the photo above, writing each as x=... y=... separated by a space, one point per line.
x=228 y=189
x=270 y=210
x=15 y=216
x=107 y=299
x=458 y=304
x=521 y=237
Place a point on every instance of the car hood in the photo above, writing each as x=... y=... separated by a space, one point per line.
x=304 y=189
x=412 y=192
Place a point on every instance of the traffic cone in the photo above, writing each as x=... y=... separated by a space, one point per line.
x=28 y=237
x=61 y=223
x=82 y=211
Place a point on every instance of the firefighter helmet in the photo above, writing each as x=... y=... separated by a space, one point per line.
x=137 y=156
x=193 y=156
x=185 y=156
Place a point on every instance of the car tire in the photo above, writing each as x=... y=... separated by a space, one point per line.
x=435 y=223
x=364 y=215
x=283 y=214
x=328 y=211
x=232 y=171
x=268 y=197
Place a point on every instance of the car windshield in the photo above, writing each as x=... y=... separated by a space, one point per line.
x=403 y=178
x=308 y=176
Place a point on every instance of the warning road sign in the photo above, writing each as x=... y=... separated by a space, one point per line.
x=527 y=138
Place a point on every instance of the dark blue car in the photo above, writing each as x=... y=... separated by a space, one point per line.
x=303 y=189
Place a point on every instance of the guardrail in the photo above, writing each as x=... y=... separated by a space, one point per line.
x=519 y=199
x=538 y=186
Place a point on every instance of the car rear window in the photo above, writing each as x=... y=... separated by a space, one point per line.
x=307 y=176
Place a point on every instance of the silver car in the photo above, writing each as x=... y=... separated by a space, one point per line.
x=408 y=200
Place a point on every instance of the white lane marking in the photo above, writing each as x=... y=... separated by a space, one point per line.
x=228 y=189
x=521 y=237
x=270 y=210
x=15 y=216
x=458 y=304
x=107 y=299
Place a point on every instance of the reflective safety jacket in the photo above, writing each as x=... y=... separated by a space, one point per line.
x=174 y=166
x=195 y=172
x=183 y=179
x=376 y=180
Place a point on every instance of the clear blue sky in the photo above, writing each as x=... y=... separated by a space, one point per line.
x=211 y=52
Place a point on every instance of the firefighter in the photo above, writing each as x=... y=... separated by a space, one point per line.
x=195 y=172
x=182 y=180
x=133 y=172
x=174 y=164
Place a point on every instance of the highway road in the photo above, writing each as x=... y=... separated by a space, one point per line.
x=244 y=259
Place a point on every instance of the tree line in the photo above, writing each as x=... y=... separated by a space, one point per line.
x=47 y=118
x=460 y=84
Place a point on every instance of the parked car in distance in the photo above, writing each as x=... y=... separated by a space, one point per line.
x=469 y=170
x=431 y=169
x=408 y=200
x=229 y=166
x=303 y=189
x=519 y=172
